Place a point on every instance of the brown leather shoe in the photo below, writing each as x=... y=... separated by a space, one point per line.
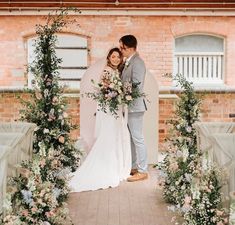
x=133 y=171
x=138 y=176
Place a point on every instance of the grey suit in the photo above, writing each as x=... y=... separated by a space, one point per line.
x=135 y=71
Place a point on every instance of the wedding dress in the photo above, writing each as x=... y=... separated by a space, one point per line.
x=109 y=160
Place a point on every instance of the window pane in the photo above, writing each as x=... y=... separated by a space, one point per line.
x=71 y=73
x=72 y=49
x=199 y=43
x=65 y=40
x=72 y=57
x=70 y=84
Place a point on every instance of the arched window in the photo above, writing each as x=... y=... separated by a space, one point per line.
x=73 y=51
x=200 y=58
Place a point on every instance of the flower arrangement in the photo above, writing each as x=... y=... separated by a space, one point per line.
x=178 y=164
x=131 y=92
x=110 y=92
x=204 y=204
x=190 y=182
x=37 y=195
x=33 y=200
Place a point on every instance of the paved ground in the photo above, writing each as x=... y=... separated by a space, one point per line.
x=137 y=203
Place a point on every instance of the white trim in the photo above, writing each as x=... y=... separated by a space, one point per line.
x=123 y=12
x=199 y=53
x=168 y=96
x=118 y=3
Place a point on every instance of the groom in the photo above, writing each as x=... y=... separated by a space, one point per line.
x=134 y=70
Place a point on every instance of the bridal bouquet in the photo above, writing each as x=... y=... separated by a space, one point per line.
x=131 y=92
x=108 y=92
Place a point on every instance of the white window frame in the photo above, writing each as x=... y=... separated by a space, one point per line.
x=72 y=73
x=196 y=62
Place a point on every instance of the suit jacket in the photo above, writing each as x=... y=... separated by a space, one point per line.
x=135 y=71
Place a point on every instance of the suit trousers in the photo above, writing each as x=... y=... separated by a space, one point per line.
x=138 y=148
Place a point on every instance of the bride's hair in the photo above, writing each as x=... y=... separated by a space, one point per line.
x=110 y=53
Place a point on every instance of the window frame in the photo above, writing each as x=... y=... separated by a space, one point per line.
x=62 y=79
x=205 y=82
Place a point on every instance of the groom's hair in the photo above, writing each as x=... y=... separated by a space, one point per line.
x=129 y=40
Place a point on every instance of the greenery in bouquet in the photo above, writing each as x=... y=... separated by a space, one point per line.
x=108 y=91
x=37 y=195
x=131 y=92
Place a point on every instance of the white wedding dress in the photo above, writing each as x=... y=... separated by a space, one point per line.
x=109 y=160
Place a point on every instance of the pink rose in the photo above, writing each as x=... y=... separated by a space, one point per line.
x=25 y=212
x=174 y=166
x=61 y=139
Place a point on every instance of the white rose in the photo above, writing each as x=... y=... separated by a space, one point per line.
x=46 y=131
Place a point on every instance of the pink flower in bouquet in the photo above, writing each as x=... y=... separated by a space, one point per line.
x=42 y=193
x=38 y=95
x=48 y=82
x=128 y=97
x=49 y=214
x=55 y=163
x=11 y=189
x=42 y=163
x=219 y=212
x=24 y=172
x=55 y=100
x=65 y=115
x=61 y=139
x=220 y=223
x=34 y=209
x=25 y=212
x=187 y=201
x=111 y=85
x=174 y=166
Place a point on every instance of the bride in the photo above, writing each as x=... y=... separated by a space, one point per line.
x=109 y=160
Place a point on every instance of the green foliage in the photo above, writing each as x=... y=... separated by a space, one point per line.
x=38 y=194
x=189 y=181
x=182 y=146
x=47 y=107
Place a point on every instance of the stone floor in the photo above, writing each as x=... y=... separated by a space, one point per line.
x=137 y=203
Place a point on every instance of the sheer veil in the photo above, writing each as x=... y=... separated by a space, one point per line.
x=87 y=105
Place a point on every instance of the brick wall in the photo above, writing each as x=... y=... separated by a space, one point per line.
x=10 y=107
x=215 y=107
x=155 y=35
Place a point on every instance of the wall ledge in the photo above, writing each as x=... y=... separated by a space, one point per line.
x=21 y=89
x=200 y=89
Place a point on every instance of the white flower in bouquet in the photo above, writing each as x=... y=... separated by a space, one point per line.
x=7 y=205
x=46 y=131
x=31 y=183
x=195 y=191
x=129 y=98
x=189 y=129
x=185 y=153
